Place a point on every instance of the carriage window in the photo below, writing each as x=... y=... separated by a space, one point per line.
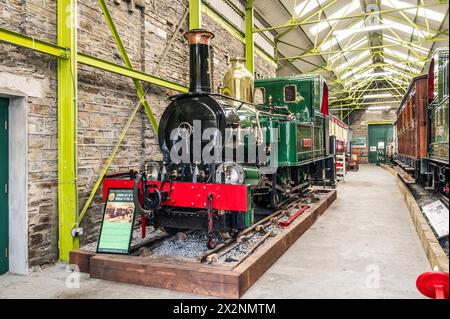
x=290 y=93
x=260 y=95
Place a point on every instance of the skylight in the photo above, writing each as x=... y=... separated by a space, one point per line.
x=338 y=38
x=372 y=74
x=353 y=46
x=399 y=71
x=402 y=56
x=354 y=59
x=422 y=12
x=393 y=40
x=306 y=7
x=406 y=65
x=344 y=11
x=405 y=28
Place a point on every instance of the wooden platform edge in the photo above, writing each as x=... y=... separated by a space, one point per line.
x=434 y=252
x=196 y=278
x=82 y=259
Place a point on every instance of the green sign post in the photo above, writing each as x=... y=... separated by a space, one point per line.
x=118 y=221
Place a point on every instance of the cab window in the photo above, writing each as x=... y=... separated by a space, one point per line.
x=290 y=93
x=260 y=95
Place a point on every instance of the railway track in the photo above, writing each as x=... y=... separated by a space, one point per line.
x=235 y=250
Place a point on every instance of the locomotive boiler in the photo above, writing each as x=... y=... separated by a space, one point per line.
x=225 y=157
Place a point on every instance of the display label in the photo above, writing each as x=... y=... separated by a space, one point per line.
x=437 y=214
x=118 y=221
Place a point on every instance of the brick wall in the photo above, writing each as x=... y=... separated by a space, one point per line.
x=105 y=99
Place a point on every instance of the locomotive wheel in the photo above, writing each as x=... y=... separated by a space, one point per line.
x=275 y=200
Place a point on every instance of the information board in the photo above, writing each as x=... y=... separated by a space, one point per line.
x=359 y=142
x=437 y=214
x=118 y=221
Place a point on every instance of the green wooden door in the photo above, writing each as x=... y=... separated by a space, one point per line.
x=3 y=186
x=380 y=135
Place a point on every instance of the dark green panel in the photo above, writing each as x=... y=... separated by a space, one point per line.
x=309 y=90
x=3 y=182
x=379 y=137
x=287 y=149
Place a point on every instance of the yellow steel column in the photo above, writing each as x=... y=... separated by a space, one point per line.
x=195 y=14
x=67 y=128
x=249 y=37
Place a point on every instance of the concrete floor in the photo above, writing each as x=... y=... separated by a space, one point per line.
x=365 y=246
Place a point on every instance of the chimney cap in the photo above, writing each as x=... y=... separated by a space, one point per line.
x=199 y=36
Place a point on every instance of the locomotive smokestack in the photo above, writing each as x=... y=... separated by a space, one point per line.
x=200 y=65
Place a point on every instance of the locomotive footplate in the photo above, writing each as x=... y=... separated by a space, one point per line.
x=198 y=220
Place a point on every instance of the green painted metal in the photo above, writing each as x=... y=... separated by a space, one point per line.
x=439 y=108
x=308 y=94
x=249 y=37
x=195 y=14
x=287 y=149
x=67 y=129
x=380 y=135
x=317 y=52
x=33 y=43
x=439 y=139
x=4 y=173
x=128 y=72
x=252 y=175
x=209 y=10
x=301 y=139
x=127 y=61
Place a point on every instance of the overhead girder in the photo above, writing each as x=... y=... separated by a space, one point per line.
x=293 y=23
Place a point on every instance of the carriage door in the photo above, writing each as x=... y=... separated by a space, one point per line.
x=380 y=138
x=4 y=211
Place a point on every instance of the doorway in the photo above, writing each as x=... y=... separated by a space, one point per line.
x=380 y=137
x=4 y=176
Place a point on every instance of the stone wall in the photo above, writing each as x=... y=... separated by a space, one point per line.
x=105 y=100
x=358 y=123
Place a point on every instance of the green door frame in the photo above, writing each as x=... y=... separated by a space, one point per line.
x=4 y=172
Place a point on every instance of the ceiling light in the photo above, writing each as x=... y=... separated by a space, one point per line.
x=370 y=75
x=377 y=96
